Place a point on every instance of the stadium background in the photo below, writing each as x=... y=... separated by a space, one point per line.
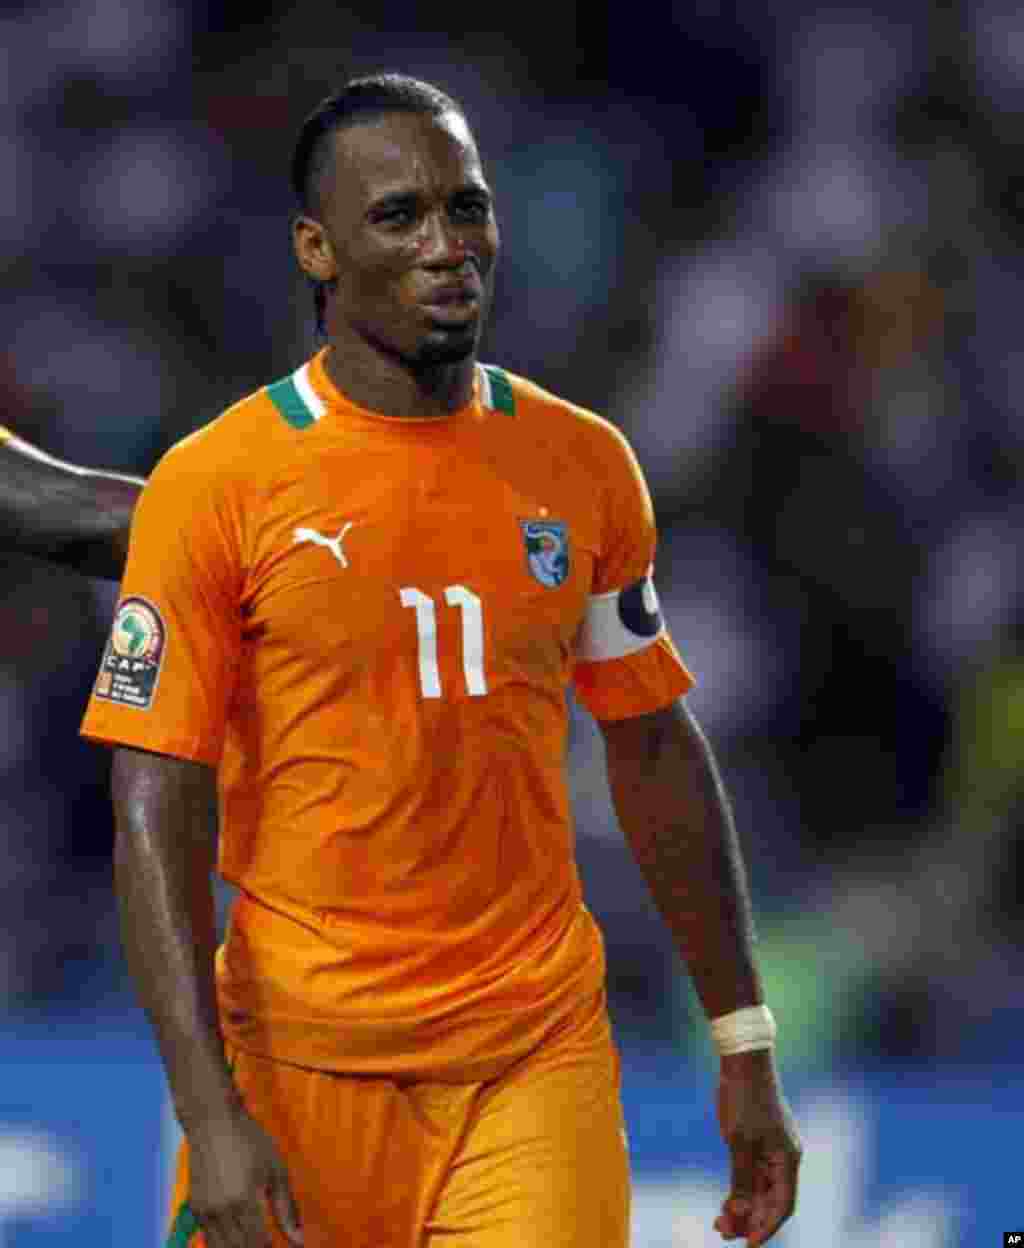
x=780 y=246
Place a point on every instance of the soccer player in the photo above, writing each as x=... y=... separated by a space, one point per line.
x=74 y=516
x=354 y=603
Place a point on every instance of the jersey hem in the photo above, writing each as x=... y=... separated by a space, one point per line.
x=614 y=689
x=489 y=1043
x=188 y=751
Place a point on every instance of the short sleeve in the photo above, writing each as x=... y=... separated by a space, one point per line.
x=626 y=661
x=168 y=671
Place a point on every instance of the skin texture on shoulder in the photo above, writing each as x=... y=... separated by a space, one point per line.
x=54 y=510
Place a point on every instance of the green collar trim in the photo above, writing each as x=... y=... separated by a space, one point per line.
x=186 y=1224
x=497 y=390
x=296 y=400
x=300 y=405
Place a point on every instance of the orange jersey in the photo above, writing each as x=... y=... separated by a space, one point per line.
x=368 y=626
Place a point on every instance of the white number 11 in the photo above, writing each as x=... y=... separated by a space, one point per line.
x=426 y=632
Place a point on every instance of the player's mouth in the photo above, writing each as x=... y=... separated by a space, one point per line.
x=453 y=304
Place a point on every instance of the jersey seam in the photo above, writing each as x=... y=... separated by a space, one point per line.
x=175 y=748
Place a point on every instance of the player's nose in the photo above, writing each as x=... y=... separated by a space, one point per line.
x=440 y=243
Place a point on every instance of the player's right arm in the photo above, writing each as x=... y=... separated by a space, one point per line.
x=71 y=515
x=162 y=699
x=164 y=860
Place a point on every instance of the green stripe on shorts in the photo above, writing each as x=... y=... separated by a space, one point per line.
x=186 y=1224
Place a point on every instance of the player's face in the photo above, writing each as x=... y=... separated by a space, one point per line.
x=409 y=222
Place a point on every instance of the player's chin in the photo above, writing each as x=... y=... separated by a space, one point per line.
x=447 y=344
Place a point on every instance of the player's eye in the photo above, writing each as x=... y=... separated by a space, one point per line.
x=473 y=209
x=395 y=215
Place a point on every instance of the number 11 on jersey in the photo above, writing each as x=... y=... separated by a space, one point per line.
x=472 y=612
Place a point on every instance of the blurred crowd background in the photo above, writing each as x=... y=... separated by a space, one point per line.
x=779 y=246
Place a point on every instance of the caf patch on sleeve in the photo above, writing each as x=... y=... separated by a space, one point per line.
x=133 y=655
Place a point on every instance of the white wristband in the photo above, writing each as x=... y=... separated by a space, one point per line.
x=744 y=1030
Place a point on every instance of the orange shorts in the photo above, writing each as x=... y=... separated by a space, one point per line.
x=535 y=1158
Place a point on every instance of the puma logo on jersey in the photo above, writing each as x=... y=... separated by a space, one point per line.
x=333 y=544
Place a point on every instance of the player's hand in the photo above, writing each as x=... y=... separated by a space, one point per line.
x=764 y=1145
x=236 y=1171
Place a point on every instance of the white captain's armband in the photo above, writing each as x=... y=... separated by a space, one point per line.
x=621 y=622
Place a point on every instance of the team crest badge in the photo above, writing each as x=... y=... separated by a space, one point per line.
x=547 y=550
x=133 y=656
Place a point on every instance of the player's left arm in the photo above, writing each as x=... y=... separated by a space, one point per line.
x=75 y=516
x=673 y=809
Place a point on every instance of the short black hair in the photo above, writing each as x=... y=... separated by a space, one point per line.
x=359 y=100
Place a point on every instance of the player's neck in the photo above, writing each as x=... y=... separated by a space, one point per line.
x=392 y=389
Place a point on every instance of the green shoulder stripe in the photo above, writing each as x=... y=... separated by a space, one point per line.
x=288 y=402
x=296 y=400
x=501 y=389
x=185 y=1226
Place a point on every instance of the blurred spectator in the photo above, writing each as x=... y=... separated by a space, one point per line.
x=781 y=249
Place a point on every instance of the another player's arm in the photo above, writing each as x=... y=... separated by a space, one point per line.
x=71 y=515
x=673 y=809
x=164 y=860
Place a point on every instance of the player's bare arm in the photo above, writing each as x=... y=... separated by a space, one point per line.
x=70 y=515
x=672 y=807
x=164 y=860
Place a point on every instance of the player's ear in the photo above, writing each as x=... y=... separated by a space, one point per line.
x=313 y=249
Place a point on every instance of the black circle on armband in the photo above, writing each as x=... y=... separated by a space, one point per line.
x=638 y=609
